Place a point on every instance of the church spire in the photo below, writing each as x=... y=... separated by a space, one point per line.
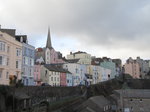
x=49 y=44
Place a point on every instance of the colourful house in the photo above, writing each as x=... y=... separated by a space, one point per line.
x=108 y=64
x=10 y=56
x=28 y=55
x=37 y=74
x=69 y=79
x=63 y=80
x=132 y=68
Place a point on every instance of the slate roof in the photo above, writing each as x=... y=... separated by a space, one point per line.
x=134 y=93
x=11 y=32
x=72 y=60
x=56 y=68
x=101 y=101
x=18 y=37
x=94 y=104
x=80 y=52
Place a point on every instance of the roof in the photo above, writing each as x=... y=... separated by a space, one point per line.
x=56 y=68
x=101 y=101
x=134 y=93
x=39 y=49
x=72 y=60
x=94 y=104
x=11 y=32
x=96 y=61
x=80 y=52
x=18 y=37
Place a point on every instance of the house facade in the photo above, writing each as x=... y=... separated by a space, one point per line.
x=55 y=75
x=105 y=74
x=63 y=79
x=75 y=69
x=84 y=58
x=108 y=64
x=131 y=100
x=132 y=68
x=10 y=57
x=69 y=79
x=37 y=74
x=28 y=55
x=144 y=67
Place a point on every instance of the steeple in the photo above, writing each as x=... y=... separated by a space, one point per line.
x=48 y=43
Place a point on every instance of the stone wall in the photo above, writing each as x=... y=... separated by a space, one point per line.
x=49 y=94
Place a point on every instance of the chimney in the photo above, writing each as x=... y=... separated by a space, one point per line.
x=21 y=39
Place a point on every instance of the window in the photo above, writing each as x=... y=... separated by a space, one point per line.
x=67 y=81
x=1 y=60
x=76 y=70
x=17 y=64
x=30 y=62
x=55 y=78
x=51 y=78
x=2 y=46
x=104 y=109
x=7 y=75
x=24 y=60
x=24 y=71
x=7 y=61
x=18 y=52
x=30 y=72
x=45 y=71
x=0 y=73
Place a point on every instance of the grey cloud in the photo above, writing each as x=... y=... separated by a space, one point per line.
x=107 y=23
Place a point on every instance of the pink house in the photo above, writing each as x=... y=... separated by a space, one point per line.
x=63 y=80
x=132 y=68
x=55 y=57
x=37 y=74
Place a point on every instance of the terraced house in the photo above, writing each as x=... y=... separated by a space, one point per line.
x=27 y=60
x=10 y=56
x=55 y=75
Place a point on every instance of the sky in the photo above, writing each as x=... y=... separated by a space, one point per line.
x=112 y=28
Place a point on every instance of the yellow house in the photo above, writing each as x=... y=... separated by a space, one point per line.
x=10 y=58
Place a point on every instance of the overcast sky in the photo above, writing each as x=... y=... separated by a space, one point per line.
x=113 y=28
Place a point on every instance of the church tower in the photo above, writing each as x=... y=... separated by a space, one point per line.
x=48 y=48
x=48 y=43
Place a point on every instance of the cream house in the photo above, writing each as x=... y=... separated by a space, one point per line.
x=84 y=58
x=10 y=57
